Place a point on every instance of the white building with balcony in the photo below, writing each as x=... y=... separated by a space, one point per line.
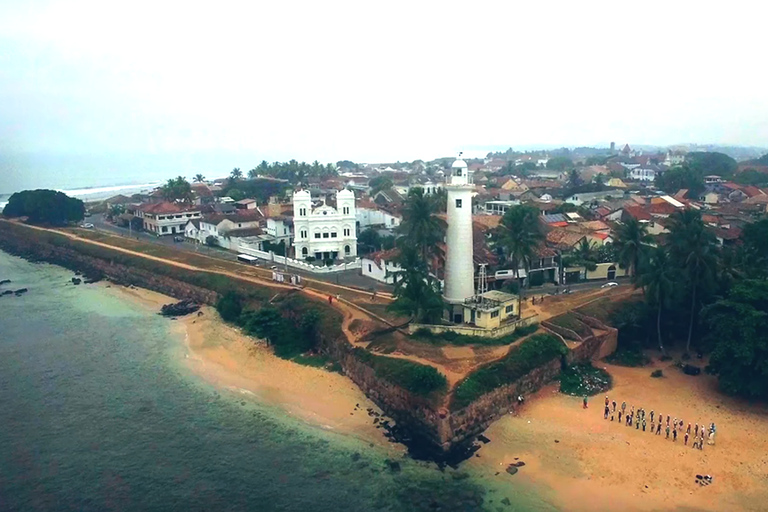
x=166 y=218
x=324 y=231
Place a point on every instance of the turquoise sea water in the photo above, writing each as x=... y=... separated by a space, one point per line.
x=97 y=413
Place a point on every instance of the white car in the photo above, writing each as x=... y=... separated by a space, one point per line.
x=86 y=225
x=612 y=284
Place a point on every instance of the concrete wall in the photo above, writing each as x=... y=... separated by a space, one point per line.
x=468 y=330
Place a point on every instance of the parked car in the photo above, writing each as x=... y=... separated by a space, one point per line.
x=86 y=225
x=178 y=239
x=610 y=285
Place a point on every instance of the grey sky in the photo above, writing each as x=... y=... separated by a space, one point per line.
x=376 y=81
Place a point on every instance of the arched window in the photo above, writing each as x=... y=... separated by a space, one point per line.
x=304 y=251
x=347 y=250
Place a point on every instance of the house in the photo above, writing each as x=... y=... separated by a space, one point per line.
x=281 y=229
x=498 y=207
x=491 y=309
x=588 y=197
x=246 y=204
x=712 y=179
x=647 y=173
x=637 y=212
x=712 y=197
x=616 y=183
x=218 y=225
x=166 y=218
x=323 y=231
x=203 y=193
x=379 y=265
x=368 y=213
x=388 y=196
x=563 y=239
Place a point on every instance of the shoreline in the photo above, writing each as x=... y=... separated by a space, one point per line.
x=229 y=360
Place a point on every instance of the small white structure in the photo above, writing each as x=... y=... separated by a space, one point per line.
x=322 y=231
x=375 y=217
x=643 y=173
x=379 y=266
x=459 y=266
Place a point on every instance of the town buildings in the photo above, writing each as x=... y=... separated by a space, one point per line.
x=324 y=231
x=166 y=218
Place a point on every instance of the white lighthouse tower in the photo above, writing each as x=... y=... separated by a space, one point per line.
x=459 y=266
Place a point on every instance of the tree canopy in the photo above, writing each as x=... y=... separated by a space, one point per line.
x=559 y=163
x=177 y=189
x=707 y=163
x=45 y=207
x=682 y=177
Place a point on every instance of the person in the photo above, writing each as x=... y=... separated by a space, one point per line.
x=605 y=413
x=658 y=428
x=651 y=415
x=674 y=435
x=637 y=422
x=701 y=442
x=614 y=405
x=606 y=401
x=688 y=430
x=585 y=402
x=686 y=438
x=338 y=296
x=667 y=430
x=619 y=415
x=611 y=416
x=667 y=419
x=623 y=407
x=643 y=424
x=695 y=442
x=696 y=431
x=330 y=299
x=674 y=423
x=373 y=296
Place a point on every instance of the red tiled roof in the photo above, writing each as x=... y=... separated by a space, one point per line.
x=600 y=234
x=239 y=216
x=166 y=207
x=387 y=255
x=638 y=212
x=663 y=208
x=563 y=238
x=560 y=224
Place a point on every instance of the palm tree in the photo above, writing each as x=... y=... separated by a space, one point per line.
x=421 y=227
x=584 y=255
x=658 y=278
x=519 y=235
x=693 y=249
x=236 y=174
x=253 y=173
x=416 y=292
x=632 y=239
x=199 y=178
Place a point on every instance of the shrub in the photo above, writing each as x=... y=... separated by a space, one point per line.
x=628 y=357
x=536 y=278
x=657 y=373
x=211 y=241
x=417 y=378
x=230 y=306
x=532 y=353
x=453 y=338
x=584 y=379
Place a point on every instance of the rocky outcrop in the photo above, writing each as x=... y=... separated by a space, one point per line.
x=5 y=281
x=182 y=308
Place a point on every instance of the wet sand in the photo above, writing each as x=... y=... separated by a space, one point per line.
x=229 y=359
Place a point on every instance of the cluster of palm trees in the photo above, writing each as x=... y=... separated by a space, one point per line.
x=684 y=269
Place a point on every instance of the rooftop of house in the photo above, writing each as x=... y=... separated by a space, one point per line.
x=561 y=237
x=637 y=212
x=243 y=232
x=166 y=207
x=386 y=255
x=238 y=216
x=119 y=199
x=245 y=201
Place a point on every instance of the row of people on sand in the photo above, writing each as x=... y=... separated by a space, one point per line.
x=672 y=426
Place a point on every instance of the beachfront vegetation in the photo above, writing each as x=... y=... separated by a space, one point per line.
x=530 y=354
x=452 y=338
x=584 y=379
x=177 y=189
x=294 y=172
x=417 y=378
x=45 y=207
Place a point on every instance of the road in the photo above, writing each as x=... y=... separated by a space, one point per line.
x=351 y=278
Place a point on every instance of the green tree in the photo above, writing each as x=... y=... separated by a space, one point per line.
x=199 y=178
x=229 y=306
x=599 y=180
x=754 y=249
x=236 y=174
x=416 y=292
x=421 y=228
x=519 y=235
x=682 y=177
x=574 y=180
x=631 y=240
x=559 y=163
x=738 y=329
x=708 y=163
x=583 y=255
x=369 y=239
x=45 y=207
x=253 y=173
x=658 y=278
x=692 y=248
x=752 y=177
x=177 y=189
x=379 y=183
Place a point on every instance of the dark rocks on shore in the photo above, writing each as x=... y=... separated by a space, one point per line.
x=483 y=439
x=6 y=292
x=76 y=280
x=5 y=281
x=185 y=307
x=20 y=291
x=512 y=469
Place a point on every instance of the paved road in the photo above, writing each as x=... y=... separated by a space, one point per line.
x=351 y=277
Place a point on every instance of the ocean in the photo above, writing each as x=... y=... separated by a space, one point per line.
x=99 y=412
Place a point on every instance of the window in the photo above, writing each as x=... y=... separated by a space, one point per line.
x=346 y=210
x=346 y=231
x=317 y=235
x=333 y=234
x=347 y=249
x=303 y=234
x=458 y=203
x=165 y=229
x=325 y=235
x=369 y=267
x=479 y=315
x=239 y=225
x=494 y=314
x=302 y=212
x=510 y=309
x=304 y=251
x=458 y=172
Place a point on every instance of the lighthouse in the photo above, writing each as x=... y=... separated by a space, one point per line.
x=459 y=266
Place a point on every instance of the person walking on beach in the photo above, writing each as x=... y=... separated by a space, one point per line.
x=667 y=419
x=686 y=439
x=643 y=424
x=651 y=415
x=674 y=435
x=624 y=407
x=667 y=431
x=614 y=406
x=701 y=441
x=658 y=428
x=695 y=442
x=607 y=401
x=605 y=413
x=330 y=299
x=585 y=402
x=688 y=430
x=696 y=431
x=619 y=415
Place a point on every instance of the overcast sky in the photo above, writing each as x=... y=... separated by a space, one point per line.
x=375 y=81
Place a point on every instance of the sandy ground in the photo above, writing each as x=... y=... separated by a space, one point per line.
x=228 y=359
x=599 y=465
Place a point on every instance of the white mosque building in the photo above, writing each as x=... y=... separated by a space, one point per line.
x=324 y=231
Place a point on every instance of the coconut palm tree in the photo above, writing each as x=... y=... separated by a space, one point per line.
x=236 y=174
x=693 y=250
x=253 y=173
x=421 y=227
x=658 y=277
x=199 y=178
x=416 y=292
x=519 y=235
x=632 y=240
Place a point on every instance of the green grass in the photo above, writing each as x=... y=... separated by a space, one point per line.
x=532 y=353
x=569 y=321
x=417 y=378
x=452 y=338
x=315 y=361
x=584 y=379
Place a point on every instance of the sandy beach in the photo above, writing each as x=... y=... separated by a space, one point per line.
x=593 y=464
x=228 y=359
